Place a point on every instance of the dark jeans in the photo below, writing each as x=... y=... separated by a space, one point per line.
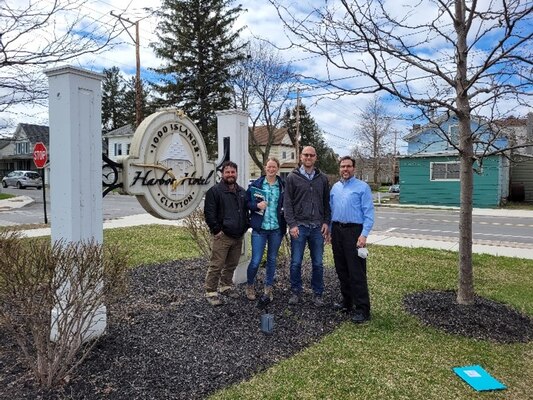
x=313 y=237
x=260 y=239
x=351 y=269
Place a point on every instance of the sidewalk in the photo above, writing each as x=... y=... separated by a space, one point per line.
x=382 y=238
x=15 y=202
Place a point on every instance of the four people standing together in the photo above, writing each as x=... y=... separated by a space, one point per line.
x=315 y=215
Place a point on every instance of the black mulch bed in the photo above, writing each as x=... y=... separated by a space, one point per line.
x=485 y=319
x=165 y=342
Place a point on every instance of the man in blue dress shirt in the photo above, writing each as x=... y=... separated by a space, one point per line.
x=352 y=216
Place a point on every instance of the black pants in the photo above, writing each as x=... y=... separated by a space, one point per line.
x=351 y=269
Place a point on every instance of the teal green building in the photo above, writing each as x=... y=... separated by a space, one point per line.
x=434 y=180
x=429 y=173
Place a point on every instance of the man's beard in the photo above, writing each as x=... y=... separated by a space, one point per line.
x=229 y=181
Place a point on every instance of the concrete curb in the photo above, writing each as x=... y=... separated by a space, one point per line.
x=15 y=202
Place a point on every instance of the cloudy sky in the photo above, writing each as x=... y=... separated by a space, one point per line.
x=337 y=117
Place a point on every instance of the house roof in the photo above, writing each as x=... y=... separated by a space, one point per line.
x=261 y=135
x=444 y=153
x=418 y=129
x=34 y=133
x=511 y=122
x=4 y=142
x=126 y=130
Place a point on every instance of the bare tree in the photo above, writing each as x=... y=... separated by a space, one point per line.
x=262 y=86
x=37 y=34
x=374 y=128
x=483 y=66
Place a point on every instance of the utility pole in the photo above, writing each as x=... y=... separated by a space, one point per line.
x=138 y=108
x=297 y=141
x=393 y=180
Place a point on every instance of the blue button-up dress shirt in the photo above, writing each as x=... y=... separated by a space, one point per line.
x=351 y=202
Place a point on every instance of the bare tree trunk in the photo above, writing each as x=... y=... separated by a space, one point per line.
x=465 y=293
x=376 y=172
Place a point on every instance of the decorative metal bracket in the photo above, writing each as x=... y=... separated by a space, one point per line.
x=111 y=175
x=226 y=156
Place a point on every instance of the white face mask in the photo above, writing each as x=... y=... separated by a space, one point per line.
x=362 y=252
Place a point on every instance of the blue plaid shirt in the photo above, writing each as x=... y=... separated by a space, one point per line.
x=270 y=218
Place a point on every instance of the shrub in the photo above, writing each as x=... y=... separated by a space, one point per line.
x=198 y=229
x=74 y=279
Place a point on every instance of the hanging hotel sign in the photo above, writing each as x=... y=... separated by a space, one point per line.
x=167 y=168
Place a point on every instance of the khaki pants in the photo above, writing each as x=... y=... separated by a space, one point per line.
x=224 y=259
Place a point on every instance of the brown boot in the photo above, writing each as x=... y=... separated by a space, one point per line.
x=250 y=292
x=229 y=291
x=268 y=292
x=213 y=299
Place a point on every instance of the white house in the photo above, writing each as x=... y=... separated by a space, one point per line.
x=119 y=142
x=282 y=148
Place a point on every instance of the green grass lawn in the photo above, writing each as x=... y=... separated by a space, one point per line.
x=394 y=356
x=518 y=206
x=4 y=196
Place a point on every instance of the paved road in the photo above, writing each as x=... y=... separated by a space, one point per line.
x=114 y=206
x=444 y=224
x=397 y=222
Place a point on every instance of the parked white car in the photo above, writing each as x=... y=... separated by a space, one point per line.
x=23 y=179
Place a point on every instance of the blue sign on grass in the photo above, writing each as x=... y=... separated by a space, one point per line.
x=478 y=378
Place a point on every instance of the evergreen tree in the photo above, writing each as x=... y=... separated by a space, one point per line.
x=112 y=100
x=199 y=47
x=311 y=135
x=118 y=100
x=129 y=102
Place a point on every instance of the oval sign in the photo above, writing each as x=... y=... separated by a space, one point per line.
x=167 y=168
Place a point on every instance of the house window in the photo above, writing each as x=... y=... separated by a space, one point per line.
x=292 y=155
x=444 y=171
x=22 y=148
x=453 y=135
x=284 y=155
x=128 y=148
x=118 y=149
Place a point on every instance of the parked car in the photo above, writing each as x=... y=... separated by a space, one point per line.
x=23 y=179
x=394 y=189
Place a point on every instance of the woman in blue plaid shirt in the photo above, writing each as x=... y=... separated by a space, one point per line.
x=265 y=201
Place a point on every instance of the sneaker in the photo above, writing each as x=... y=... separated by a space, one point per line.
x=294 y=299
x=360 y=318
x=250 y=292
x=213 y=299
x=340 y=307
x=318 y=301
x=268 y=292
x=230 y=292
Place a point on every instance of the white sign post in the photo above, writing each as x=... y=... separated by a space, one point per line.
x=75 y=106
x=233 y=124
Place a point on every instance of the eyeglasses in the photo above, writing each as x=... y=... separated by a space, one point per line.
x=308 y=155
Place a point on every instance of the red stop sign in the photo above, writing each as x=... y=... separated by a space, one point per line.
x=39 y=155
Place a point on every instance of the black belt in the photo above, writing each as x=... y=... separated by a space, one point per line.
x=346 y=225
